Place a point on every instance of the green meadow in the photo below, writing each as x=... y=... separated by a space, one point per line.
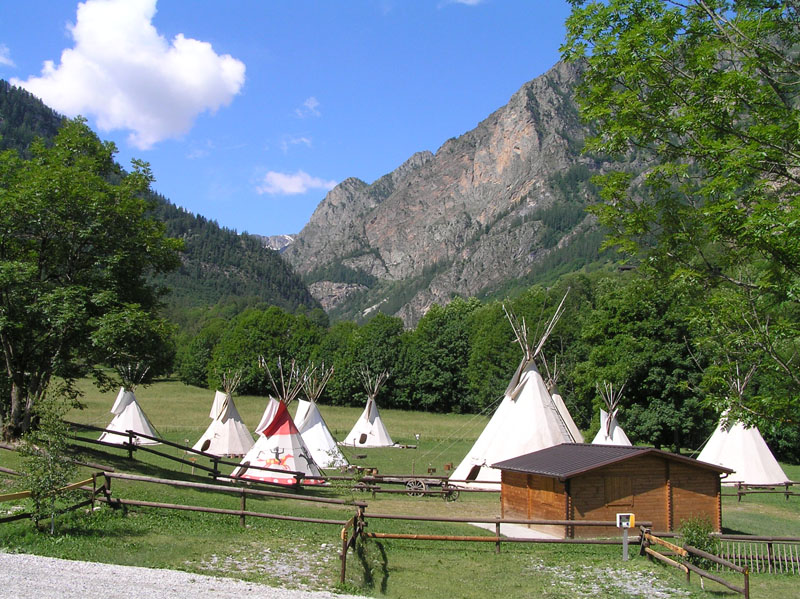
x=305 y=555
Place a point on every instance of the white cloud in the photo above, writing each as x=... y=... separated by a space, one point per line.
x=275 y=183
x=5 y=56
x=309 y=108
x=126 y=75
x=288 y=142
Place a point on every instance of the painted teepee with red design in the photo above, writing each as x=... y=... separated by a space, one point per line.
x=280 y=456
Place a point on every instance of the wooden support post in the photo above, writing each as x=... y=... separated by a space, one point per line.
x=130 y=445
x=746 y=583
x=343 y=569
x=244 y=505
x=497 y=532
x=94 y=488
x=215 y=473
x=770 y=558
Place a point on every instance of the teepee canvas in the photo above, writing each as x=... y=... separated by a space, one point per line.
x=279 y=446
x=128 y=416
x=552 y=388
x=369 y=430
x=739 y=447
x=227 y=435
x=610 y=432
x=312 y=427
x=744 y=450
x=527 y=419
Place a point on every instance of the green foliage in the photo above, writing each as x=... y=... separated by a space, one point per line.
x=219 y=264
x=696 y=532
x=76 y=255
x=46 y=467
x=706 y=94
x=23 y=118
x=270 y=333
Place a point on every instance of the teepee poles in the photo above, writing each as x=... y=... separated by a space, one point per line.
x=288 y=384
x=611 y=398
x=315 y=381
x=132 y=374
x=373 y=383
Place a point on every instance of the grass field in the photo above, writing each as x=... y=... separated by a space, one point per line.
x=306 y=555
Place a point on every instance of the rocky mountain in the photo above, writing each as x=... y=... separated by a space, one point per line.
x=275 y=242
x=502 y=203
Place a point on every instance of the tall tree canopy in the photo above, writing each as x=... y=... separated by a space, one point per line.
x=76 y=251
x=705 y=94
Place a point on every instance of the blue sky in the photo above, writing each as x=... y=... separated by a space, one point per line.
x=248 y=111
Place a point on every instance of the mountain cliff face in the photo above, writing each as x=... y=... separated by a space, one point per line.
x=489 y=207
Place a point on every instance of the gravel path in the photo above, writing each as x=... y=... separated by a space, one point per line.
x=51 y=578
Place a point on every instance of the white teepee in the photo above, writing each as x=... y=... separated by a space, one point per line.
x=738 y=447
x=610 y=432
x=527 y=419
x=369 y=430
x=552 y=388
x=128 y=416
x=227 y=435
x=280 y=446
x=312 y=427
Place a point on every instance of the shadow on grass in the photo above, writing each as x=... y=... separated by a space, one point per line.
x=370 y=562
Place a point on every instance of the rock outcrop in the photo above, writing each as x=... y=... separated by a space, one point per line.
x=462 y=221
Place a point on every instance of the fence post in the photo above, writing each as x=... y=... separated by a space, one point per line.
x=497 y=542
x=747 y=583
x=770 y=558
x=343 y=570
x=94 y=488
x=244 y=500
x=130 y=445
x=215 y=474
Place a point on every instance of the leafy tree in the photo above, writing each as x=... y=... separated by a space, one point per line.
x=76 y=252
x=705 y=94
x=194 y=357
x=270 y=333
x=46 y=466
x=438 y=356
x=637 y=334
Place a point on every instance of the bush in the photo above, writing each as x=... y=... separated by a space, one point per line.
x=46 y=469
x=696 y=532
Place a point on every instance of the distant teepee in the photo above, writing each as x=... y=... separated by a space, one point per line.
x=128 y=415
x=552 y=386
x=610 y=432
x=280 y=446
x=227 y=435
x=527 y=419
x=312 y=427
x=369 y=430
x=740 y=447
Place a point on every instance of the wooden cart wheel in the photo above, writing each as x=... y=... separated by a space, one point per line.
x=450 y=494
x=416 y=488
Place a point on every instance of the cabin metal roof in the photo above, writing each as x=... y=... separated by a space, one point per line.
x=572 y=459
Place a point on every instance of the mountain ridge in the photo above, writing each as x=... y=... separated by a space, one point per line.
x=464 y=220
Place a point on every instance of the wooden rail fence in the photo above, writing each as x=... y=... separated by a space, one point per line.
x=648 y=540
x=743 y=489
x=779 y=555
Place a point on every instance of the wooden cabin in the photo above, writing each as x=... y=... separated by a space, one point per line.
x=578 y=481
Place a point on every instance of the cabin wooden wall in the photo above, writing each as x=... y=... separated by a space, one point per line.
x=530 y=497
x=695 y=492
x=655 y=489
